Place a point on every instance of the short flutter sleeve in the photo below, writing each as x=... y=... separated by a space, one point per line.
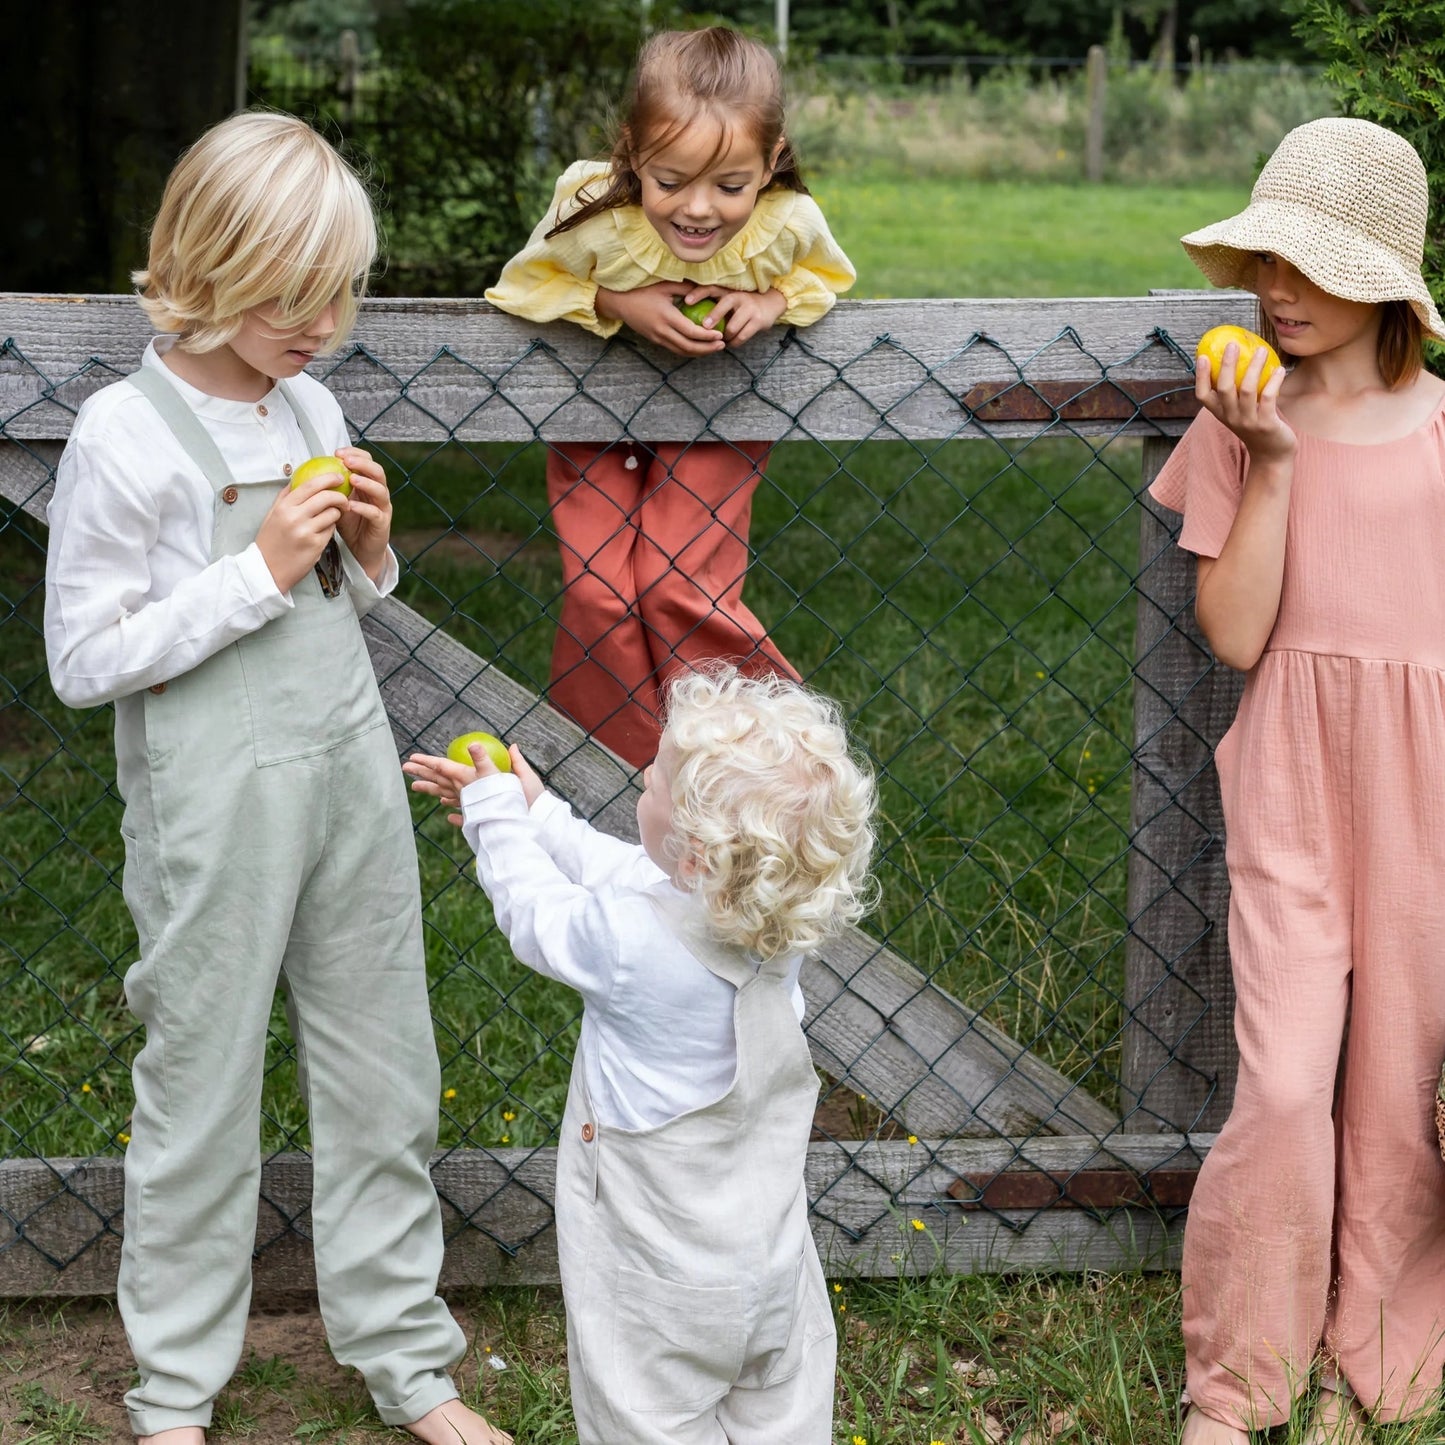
x=1204 y=479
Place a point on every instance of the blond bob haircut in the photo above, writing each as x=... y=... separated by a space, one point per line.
x=771 y=809
x=260 y=211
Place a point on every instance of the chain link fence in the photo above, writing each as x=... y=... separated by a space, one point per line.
x=1013 y=1050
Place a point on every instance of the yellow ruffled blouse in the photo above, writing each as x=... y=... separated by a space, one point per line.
x=785 y=245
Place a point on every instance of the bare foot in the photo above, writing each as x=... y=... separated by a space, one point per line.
x=1202 y=1429
x=453 y=1424
x=181 y=1435
x=1338 y=1420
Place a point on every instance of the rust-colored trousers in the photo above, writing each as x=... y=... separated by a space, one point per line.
x=654 y=556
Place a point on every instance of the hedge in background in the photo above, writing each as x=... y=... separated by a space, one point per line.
x=1387 y=61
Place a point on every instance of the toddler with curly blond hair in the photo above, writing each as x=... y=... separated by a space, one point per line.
x=695 y=1298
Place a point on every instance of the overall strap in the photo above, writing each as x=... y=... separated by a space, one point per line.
x=313 y=440
x=185 y=425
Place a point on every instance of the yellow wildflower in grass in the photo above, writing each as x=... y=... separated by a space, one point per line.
x=449 y=1093
x=913 y=1138
x=837 y=1288
x=506 y=1138
x=918 y=1224
x=85 y=1088
x=1038 y=674
x=122 y=1138
x=508 y=1115
x=859 y=1440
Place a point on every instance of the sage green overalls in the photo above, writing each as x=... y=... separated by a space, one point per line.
x=697 y=1312
x=267 y=831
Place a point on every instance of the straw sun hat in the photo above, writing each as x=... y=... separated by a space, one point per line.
x=1343 y=201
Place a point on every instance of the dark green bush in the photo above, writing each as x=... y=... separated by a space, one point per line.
x=467 y=115
x=1387 y=61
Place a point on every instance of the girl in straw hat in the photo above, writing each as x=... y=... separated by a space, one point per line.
x=1316 y=507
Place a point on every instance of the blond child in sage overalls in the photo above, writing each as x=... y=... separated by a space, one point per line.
x=696 y=1308
x=265 y=829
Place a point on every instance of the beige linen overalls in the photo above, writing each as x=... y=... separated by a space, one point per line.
x=266 y=831
x=697 y=1312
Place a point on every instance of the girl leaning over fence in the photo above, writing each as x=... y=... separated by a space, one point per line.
x=265 y=829
x=696 y=1306
x=1316 y=506
x=702 y=199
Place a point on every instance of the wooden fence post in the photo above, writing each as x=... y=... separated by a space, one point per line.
x=1098 y=83
x=1179 y=1055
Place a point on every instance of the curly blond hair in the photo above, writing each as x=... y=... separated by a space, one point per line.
x=772 y=809
x=261 y=210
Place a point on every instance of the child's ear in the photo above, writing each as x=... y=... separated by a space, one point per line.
x=689 y=865
x=776 y=156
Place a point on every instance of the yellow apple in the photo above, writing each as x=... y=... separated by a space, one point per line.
x=323 y=467
x=1212 y=345
x=457 y=750
x=699 y=312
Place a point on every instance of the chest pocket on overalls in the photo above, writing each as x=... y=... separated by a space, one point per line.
x=308 y=678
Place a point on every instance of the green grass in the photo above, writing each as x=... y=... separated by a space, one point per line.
x=972 y=609
x=934 y=236
x=982 y=1360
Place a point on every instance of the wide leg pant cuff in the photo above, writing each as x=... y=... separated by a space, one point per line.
x=152 y=1419
x=421 y=1401
x=1235 y=1413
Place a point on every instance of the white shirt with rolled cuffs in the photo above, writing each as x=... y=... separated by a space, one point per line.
x=657 y=1028
x=133 y=597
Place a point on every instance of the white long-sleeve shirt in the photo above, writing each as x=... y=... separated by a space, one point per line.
x=132 y=597
x=577 y=906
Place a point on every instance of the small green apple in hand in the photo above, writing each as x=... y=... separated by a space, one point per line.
x=444 y=778
x=323 y=467
x=459 y=750
x=699 y=312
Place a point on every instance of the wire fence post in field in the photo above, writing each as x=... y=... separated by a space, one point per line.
x=1097 y=86
x=1021 y=1053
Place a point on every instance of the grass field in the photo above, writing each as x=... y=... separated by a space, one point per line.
x=930 y=236
x=973 y=607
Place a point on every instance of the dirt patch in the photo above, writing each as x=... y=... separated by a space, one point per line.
x=68 y=1366
x=842 y=1114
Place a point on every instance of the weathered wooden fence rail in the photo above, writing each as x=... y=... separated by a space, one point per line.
x=980 y=1102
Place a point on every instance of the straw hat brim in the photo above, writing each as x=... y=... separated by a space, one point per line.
x=1335 y=256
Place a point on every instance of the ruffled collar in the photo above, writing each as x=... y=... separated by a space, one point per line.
x=653 y=255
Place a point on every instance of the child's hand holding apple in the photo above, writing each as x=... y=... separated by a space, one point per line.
x=444 y=778
x=365 y=525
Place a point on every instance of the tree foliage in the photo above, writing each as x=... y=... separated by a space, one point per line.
x=1049 y=28
x=1387 y=62
x=471 y=112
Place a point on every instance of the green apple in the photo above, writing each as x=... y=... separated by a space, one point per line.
x=699 y=312
x=457 y=750
x=323 y=467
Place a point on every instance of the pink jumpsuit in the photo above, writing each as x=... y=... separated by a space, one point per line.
x=1317 y=1229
